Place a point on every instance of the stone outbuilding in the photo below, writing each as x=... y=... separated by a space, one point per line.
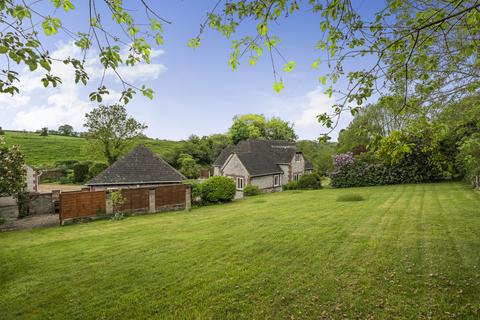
x=139 y=168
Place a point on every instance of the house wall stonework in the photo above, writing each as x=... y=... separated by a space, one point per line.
x=31 y=179
x=286 y=171
x=265 y=183
x=234 y=167
x=298 y=167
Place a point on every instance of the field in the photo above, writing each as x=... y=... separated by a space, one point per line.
x=406 y=251
x=44 y=151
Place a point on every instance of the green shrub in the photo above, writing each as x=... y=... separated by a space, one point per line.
x=350 y=197
x=218 y=189
x=2 y=132
x=2 y=221
x=292 y=185
x=80 y=172
x=68 y=179
x=23 y=204
x=251 y=190
x=196 y=191
x=95 y=169
x=309 y=181
x=366 y=170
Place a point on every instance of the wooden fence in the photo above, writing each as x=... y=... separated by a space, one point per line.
x=137 y=200
x=82 y=204
x=90 y=204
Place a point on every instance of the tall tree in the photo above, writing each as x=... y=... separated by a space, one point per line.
x=65 y=130
x=113 y=129
x=257 y=126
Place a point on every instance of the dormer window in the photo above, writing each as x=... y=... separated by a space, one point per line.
x=298 y=157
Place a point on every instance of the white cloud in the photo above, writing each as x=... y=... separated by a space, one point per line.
x=7 y=101
x=317 y=103
x=68 y=102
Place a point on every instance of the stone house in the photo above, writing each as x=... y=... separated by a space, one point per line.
x=139 y=168
x=268 y=164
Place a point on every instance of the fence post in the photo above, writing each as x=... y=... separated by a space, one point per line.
x=188 y=198
x=108 y=204
x=151 y=201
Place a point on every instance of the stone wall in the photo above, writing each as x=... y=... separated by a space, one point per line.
x=52 y=175
x=265 y=183
x=40 y=203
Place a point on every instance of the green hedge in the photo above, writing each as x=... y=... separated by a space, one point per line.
x=80 y=172
x=218 y=189
x=251 y=190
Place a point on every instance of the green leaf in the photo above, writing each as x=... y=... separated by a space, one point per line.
x=278 y=86
x=289 y=66
x=323 y=80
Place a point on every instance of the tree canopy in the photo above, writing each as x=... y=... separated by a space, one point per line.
x=421 y=50
x=257 y=126
x=111 y=127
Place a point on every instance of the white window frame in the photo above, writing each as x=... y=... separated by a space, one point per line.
x=241 y=180
x=277 y=176
x=298 y=157
x=296 y=176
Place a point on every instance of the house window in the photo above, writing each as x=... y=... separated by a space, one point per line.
x=296 y=176
x=276 y=180
x=298 y=157
x=239 y=183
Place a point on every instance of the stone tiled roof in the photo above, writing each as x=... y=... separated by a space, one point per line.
x=141 y=166
x=260 y=157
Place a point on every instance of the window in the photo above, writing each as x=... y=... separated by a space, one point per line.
x=298 y=157
x=239 y=183
x=296 y=176
x=276 y=180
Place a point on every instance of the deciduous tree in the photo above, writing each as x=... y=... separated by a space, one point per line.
x=113 y=129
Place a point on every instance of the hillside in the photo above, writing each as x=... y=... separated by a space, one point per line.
x=407 y=251
x=44 y=151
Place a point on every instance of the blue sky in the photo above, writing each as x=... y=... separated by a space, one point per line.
x=196 y=91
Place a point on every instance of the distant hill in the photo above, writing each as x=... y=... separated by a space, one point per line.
x=44 y=151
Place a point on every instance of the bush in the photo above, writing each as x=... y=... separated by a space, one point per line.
x=96 y=168
x=23 y=204
x=293 y=185
x=196 y=191
x=251 y=190
x=2 y=132
x=218 y=189
x=80 y=172
x=365 y=170
x=350 y=197
x=309 y=181
x=68 y=179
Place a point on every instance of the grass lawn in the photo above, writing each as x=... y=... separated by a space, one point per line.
x=407 y=251
x=44 y=151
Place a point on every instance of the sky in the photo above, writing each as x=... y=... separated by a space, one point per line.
x=196 y=92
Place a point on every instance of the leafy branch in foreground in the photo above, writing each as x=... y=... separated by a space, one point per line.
x=24 y=23
x=423 y=50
